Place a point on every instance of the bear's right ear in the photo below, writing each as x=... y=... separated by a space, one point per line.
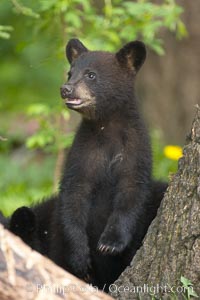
x=74 y=48
x=132 y=55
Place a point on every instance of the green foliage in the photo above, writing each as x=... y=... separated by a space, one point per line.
x=36 y=174
x=32 y=69
x=141 y=19
x=163 y=166
x=50 y=133
x=188 y=286
x=5 y=31
x=102 y=22
x=24 y=179
x=33 y=35
x=22 y=9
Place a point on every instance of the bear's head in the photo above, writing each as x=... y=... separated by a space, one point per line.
x=23 y=224
x=101 y=83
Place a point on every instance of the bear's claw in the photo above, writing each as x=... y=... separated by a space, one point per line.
x=106 y=249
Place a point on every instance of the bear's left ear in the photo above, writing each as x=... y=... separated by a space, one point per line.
x=23 y=221
x=132 y=55
x=74 y=48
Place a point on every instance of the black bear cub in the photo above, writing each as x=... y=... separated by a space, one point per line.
x=101 y=214
x=107 y=198
x=32 y=224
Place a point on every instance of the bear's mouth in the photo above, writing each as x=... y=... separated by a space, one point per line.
x=73 y=102
x=77 y=103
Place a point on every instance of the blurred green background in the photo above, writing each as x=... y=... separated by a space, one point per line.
x=35 y=129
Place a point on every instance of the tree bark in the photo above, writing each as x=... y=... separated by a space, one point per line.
x=171 y=248
x=25 y=274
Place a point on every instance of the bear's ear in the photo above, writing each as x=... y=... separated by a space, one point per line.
x=132 y=55
x=23 y=221
x=74 y=48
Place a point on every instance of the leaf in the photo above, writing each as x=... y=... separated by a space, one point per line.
x=181 y=30
x=189 y=286
x=85 y=4
x=4 y=35
x=186 y=282
x=192 y=293
x=5 y=31
x=27 y=11
x=38 y=109
x=66 y=115
x=39 y=140
x=157 y=47
x=6 y=28
x=72 y=18
x=46 y=5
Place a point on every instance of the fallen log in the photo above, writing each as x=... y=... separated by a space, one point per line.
x=25 y=274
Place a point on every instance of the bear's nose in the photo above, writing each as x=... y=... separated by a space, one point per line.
x=66 y=90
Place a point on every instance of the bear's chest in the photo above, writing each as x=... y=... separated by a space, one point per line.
x=102 y=159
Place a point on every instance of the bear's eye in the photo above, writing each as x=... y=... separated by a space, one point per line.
x=91 y=75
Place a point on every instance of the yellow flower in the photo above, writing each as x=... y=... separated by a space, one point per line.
x=173 y=152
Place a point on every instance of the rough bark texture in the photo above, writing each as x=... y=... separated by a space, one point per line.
x=25 y=274
x=171 y=248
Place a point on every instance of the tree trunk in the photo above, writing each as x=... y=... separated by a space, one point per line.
x=168 y=85
x=25 y=274
x=171 y=248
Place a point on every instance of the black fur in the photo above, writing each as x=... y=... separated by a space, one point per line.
x=32 y=224
x=106 y=185
x=74 y=49
x=23 y=223
x=107 y=199
x=132 y=55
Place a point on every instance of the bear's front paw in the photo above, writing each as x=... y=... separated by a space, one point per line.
x=81 y=266
x=111 y=242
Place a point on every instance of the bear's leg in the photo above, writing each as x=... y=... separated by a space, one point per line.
x=73 y=210
x=122 y=223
